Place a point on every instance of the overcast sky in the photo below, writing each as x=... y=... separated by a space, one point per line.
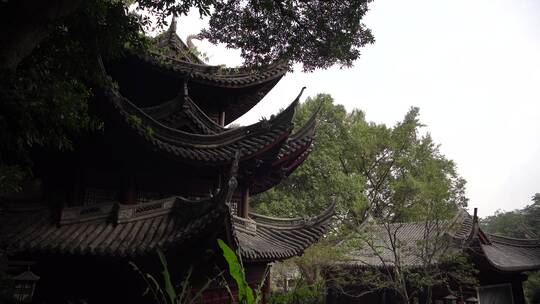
x=471 y=66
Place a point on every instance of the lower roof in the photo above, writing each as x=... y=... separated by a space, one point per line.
x=108 y=229
x=114 y=229
x=510 y=254
x=263 y=238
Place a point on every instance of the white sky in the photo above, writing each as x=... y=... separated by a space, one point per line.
x=473 y=68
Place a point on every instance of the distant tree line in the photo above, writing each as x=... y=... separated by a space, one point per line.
x=519 y=223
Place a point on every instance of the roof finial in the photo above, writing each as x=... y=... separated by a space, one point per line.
x=474 y=232
x=172 y=28
x=186 y=79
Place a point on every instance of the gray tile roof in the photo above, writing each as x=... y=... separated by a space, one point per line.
x=175 y=55
x=263 y=238
x=460 y=233
x=205 y=148
x=377 y=249
x=40 y=231
x=113 y=229
x=509 y=254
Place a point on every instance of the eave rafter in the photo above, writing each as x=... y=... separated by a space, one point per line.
x=182 y=111
x=214 y=76
x=291 y=155
x=262 y=238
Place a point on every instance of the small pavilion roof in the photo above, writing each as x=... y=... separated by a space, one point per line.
x=503 y=253
x=512 y=255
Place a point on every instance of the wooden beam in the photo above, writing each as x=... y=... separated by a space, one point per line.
x=222 y=118
x=75 y=195
x=244 y=204
x=129 y=191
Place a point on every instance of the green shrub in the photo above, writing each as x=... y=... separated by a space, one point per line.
x=302 y=293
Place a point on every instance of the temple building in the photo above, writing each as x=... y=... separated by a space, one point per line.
x=165 y=173
x=502 y=263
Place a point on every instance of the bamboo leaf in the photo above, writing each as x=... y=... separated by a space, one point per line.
x=169 y=287
x=245 y=293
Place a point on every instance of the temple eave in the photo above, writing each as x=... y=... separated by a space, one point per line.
x=272 y=238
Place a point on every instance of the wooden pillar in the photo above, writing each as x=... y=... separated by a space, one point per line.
x=222 y=118
x=517 y=292
x=267 y=287
x=129 y=191
x=186 y=90
x=243 y=209
x=331 y=294
x=75 y=195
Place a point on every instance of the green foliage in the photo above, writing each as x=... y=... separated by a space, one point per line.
x=11 y=178
x=236 y=271
x=165 y=292
x=404 y=170
x=45 y=101
x=532 y=288
x=317 y=34
x=169 y=289
x=387 y=174
x=321 y=178
x=302 y=293
x=517 y=223
x=504 y=223
x=366 y=168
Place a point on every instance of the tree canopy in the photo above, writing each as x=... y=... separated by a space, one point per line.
x=366 y=168
x=375 y=174
x=517 y=223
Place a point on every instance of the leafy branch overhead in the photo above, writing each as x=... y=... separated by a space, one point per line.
x=317 y=34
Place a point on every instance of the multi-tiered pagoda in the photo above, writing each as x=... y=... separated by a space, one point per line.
x=164 y=174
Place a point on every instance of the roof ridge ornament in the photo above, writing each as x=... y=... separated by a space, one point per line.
x=172 y=27
x=186 y=88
